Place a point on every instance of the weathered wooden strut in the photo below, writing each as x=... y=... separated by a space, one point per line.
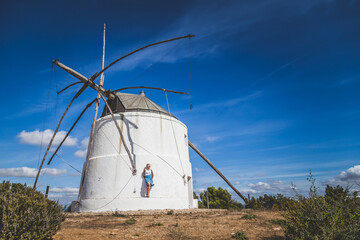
x=216 y=170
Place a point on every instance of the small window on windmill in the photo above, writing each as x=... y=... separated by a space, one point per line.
x=186 y=140
x=115 y=105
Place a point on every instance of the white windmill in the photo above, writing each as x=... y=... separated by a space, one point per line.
x=132 y=131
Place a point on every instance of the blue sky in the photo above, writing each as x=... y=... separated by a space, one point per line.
x=275 y=85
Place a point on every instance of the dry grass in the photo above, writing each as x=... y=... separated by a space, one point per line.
x=195 y=224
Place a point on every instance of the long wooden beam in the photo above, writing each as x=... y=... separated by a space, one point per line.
x=155 y=88
x=88 y=82
x=216 y=170
x=68 y=86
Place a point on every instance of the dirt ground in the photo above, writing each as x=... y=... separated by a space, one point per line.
x=167 y=224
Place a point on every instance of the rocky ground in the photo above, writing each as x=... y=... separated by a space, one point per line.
x=168 y=224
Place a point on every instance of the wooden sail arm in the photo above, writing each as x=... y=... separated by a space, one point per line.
x=68 y=87
x=71 y=71
x=72 y=127
x=88 y=82
x=155 y=88
x=217 y=171
x=137 y=50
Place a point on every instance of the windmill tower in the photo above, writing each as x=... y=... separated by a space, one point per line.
x=153 y=136
x=132 y=131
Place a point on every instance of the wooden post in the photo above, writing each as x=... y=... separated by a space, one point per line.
x=207 y=198
x=217 y=171
x=47 y=191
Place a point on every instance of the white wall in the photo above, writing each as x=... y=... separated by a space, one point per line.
x=109 y=184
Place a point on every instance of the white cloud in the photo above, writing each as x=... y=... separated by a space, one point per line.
x=64 y=190
x=352 y=173
x=211 y=138
x=346 y=178
x=85 y=142
x=350 y=80
x=199 y=190
x=198 y=169
x=263 y=186
x=55 y=196
x=65 y=195
x=83 y=151
x=260 y=186
x=29 y=172
x=245 y=191
x=80 y=153
x=231 y=102
x=43 y=137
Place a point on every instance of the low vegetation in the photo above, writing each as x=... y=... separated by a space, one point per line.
x=177 y=233
x=130 y=221
x=118 y=214
x=336 y=215
x=157 y=224
x=218 y=199
x=248 y=217
x=333 y=216
x=26 y=214
x=268 y=202
x=170 y=212
x=240 y=235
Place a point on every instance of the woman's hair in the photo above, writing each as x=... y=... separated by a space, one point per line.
x=148 y=164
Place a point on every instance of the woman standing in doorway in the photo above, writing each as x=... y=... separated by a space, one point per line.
x=148 y=174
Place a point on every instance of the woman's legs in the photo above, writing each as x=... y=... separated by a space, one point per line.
x=148 y=189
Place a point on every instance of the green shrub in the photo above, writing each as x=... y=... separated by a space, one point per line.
x=333 y=216
x=248 y=217
x=26 y=214
x=130 y=221
x=118 y=214
x=276 y=202
x=157 y=224
x=177 y=234
x=240 y=235
x=170 y=212
x=201 y=205
x=219 y=199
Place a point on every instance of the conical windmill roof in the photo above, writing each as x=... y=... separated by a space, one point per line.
x=127 y=102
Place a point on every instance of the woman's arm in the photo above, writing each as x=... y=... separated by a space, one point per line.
x=143 y=173
x=152 y=173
